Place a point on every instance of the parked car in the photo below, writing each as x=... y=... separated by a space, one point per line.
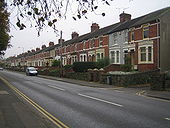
x=31 y=71
x=1 y=69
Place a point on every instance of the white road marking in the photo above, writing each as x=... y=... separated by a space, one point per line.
x=167 y=119
x=105 y=101
x=61 y=89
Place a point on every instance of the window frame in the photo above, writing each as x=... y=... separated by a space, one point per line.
x=101 y=41
x=147 y=61
x=115 y=58
x=145 y=28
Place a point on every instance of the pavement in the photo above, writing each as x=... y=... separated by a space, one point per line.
x=16 y=113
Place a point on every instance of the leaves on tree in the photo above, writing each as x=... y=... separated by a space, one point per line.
x=103 y=14
x=47 y=12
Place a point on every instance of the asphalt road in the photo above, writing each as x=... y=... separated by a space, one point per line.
x=86 y=107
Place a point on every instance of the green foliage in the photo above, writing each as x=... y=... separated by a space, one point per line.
x=47 y=12
x=69 y=66
x=55 y=72
x=83 y=66
x=56 y=63
x=2 y=64
x=4 y=27
x=102 y=63
x=126 y=67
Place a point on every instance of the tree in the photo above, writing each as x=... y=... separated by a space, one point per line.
x=56 y=63
x=101 y=63
x=48 y=12
x=4 y=27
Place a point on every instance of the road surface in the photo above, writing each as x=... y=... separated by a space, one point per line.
x=75 y=106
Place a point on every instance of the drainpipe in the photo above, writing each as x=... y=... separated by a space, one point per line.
x=158 y=40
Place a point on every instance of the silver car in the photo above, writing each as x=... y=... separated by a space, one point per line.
x=31 y=71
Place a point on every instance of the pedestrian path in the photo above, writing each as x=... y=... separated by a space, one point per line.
x=16 y=113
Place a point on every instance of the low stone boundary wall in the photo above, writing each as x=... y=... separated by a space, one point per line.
x=128 y=79
x=77 y=76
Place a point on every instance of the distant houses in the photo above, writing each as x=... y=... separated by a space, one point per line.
x=143 y=42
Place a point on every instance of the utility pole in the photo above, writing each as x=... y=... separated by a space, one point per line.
x=61 y=45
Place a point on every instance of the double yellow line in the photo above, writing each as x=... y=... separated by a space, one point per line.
x=53 y=119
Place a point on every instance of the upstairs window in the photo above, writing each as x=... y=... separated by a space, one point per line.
x=145 y=32
x=100 y=41
x=92 y=43
x=114 y=38
x=84 y=45
x=132 y=35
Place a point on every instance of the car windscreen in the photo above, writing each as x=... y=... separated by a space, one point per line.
x=32 y=69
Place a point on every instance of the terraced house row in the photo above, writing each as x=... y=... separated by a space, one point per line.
x=143 y=42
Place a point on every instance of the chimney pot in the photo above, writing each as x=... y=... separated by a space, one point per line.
x=74 y=35
x=51 y=44
x=124 y=17
x=32 y=50
x=94 y=27
x=43 y=46
x=37 y=49
x=60 y=41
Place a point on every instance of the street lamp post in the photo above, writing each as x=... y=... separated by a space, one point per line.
x=61 y=54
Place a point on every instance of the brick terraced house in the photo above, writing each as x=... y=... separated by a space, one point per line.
x=144 y=42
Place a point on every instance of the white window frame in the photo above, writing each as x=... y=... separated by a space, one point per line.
x=101 y=41
x=139 y=54
x=82 y=59
x=115 y=56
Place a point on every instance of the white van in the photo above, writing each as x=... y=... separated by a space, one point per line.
x=31 y=71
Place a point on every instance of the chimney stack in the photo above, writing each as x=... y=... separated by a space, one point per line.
x=37 y=49
x=94 y=27
x=43 y=46
x=32 y=50
x=60 y=41
x=74 y=35
x=124 y=17
x=51 y=44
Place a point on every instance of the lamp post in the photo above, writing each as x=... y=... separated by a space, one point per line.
x=61 y=44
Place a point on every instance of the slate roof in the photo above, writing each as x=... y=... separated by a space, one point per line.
x=119 y=26
x=141 y=20
x=108 y=30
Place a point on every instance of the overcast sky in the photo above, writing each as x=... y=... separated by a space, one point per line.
x=27 y=39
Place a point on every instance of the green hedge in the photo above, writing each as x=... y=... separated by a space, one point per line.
x=83 y=66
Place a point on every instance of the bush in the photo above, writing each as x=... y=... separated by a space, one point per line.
x=83 y=66
x=69 y=66
x=126 y=67
x=56 y=63
x=102 y=63
x=55 y=72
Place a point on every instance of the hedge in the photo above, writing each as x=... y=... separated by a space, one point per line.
x=83 y=66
